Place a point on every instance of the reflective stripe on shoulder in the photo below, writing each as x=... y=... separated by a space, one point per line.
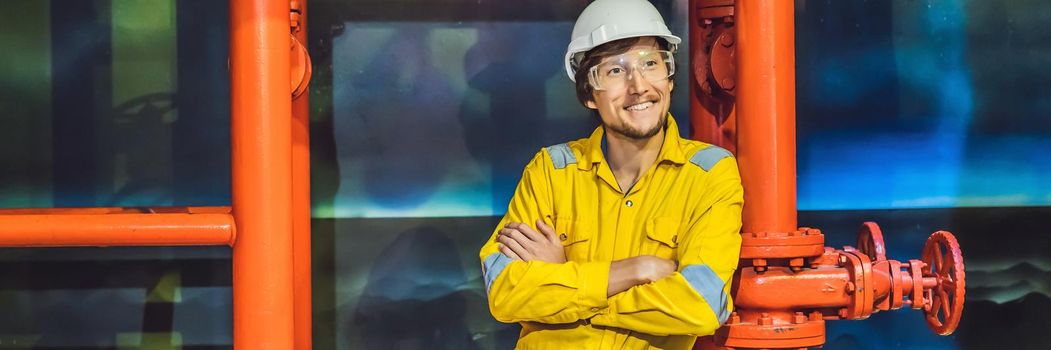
x=492 y=267
x=561 y=155
x=707 y=158
x=710 y=287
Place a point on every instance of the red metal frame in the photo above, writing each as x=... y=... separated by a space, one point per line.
x=270 y=163
x=789 y=283
x=301 y=272
x=116 y=227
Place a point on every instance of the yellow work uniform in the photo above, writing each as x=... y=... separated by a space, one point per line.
x=686 y=207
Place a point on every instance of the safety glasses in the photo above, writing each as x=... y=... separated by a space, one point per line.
x=616 y=72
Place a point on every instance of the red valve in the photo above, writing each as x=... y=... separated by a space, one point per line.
x=852 y=283
x=870 y=241
x=301 y=69
x=944 y=262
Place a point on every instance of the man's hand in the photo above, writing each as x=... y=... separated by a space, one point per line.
x=638 y=270
x=521 y=242
x=650 y=268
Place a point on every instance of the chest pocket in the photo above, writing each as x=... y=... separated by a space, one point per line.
x=576 y=237
x=662 y=237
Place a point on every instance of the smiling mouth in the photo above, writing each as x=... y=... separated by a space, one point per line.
x=640 y=106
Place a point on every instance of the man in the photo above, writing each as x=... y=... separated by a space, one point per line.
x=627 y=239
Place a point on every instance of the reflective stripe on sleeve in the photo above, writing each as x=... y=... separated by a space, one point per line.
x=561 y=155
x=710 y=287
x=493 y=266
x=708 y=157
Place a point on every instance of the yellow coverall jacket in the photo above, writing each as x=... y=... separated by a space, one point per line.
x=686 y=207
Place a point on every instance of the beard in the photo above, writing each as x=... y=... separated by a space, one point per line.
x=639 y=134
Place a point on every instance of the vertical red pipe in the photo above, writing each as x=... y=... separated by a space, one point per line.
x=766 y=131
x=703 y=126
x=261 y=167
x=712 y=119
x=301 y=205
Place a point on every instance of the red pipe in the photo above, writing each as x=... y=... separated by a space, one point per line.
x=301 y=273
x=824 y=287
x=93 y=228
x=712 y=115
x=261 y=144
x=766 y=129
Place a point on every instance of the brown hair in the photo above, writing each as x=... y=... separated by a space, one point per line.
x=595 y=56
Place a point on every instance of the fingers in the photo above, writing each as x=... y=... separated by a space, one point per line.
x=529 y=232
x=530 y=245
x=512 y=237
x=670 y=266
x=507 y=251
x=516 y=235
x=669 y=263
x=548 y=231
x=656 y=268
x=515 y=247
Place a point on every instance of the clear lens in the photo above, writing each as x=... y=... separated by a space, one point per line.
x=617 y=72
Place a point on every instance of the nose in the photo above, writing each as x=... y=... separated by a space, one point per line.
x=637 y=84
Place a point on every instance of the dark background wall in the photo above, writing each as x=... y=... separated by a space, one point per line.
x=920 y=115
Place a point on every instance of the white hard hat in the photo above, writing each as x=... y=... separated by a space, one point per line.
x=608 y=20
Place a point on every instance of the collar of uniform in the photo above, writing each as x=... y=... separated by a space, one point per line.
x=670 y=150
x=593 y=149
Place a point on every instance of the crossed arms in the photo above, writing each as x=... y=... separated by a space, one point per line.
x=521 y=242
x=528 y=278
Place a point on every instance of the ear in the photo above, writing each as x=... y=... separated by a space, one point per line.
x=671 y=85
x=591 y=102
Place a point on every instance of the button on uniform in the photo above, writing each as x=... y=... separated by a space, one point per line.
x=629 y=203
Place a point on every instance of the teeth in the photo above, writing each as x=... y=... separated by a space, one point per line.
x=640 y=106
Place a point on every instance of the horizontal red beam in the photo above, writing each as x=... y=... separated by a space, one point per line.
x=102 y=227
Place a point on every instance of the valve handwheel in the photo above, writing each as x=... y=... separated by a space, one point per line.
x=944 y=262
x=301 y=69
x=870 y=241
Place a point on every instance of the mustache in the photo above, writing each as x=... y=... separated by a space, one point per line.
x=641 y=99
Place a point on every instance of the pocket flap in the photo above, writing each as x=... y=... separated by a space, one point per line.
x=571 y=230
x=664 y=230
